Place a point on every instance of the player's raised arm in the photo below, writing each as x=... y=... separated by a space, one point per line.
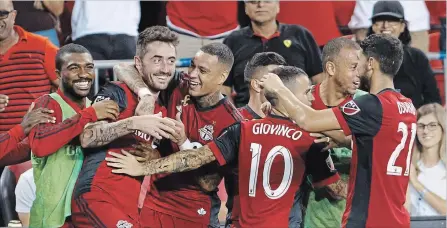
x=224 y=149
x=305 y=117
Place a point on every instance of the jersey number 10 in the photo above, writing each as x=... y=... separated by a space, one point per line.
x=255 y=149
x=393 y=170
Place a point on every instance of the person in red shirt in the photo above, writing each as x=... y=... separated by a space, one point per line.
x=190 y=199
x=280 y=154
x=383 y=128
x=97 y=187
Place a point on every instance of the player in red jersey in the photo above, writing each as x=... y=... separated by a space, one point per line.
x=280 y=153
x=383 y=128
x=101 y=198
x=190 y=199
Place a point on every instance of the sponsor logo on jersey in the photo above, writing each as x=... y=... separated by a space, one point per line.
x=350 y=108
x=206 y=132
x=201 y=212
x=101 y=98
x=329 y=163
x=123 y=224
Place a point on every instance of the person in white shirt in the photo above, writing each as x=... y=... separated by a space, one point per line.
x=427 y=190
x=416 y=12
x=25 y=195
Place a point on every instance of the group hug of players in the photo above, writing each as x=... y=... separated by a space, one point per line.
x=150 y=151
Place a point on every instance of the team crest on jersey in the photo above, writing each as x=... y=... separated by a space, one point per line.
x=330 y=163
x=185 y=100
x=350 y=108
x=123 y=224
x=206 y=132
x=101 y=98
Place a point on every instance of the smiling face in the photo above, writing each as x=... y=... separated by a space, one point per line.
x=388 y=25
x=7 y=18
x=429 y=131
x=206 y=74
x=76 y=74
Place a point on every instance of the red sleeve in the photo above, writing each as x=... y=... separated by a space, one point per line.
x=9 y=140
x=327 y=181
x=20 y=153
x=46 y=139
x=341 y=120
x=49 y=61
x=217 y=153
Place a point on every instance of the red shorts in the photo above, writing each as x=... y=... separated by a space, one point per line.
x=155 y=219
x=89 y=211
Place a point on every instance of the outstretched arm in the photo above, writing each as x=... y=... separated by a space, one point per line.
x=102 y=133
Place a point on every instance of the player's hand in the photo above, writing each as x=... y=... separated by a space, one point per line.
x=145 y=106
x=154 y=125
x=179 y=136
x=414 y=178
x=144 y=152
x=271 y=82
x=106 y=109
x=266 y=108
x=125 y=164
x=38 y=4
x=321 y=138
x=37 y=116
x=3 y=102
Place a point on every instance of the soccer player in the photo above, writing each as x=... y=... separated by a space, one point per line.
x=272 y=154
x=383 y=128
x=342 y=68
x=56 y=156
x=190 y=199
x=101 y=198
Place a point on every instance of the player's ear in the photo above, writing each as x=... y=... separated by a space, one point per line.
x=223 y=77
x=330 y=68
x=58 y=74
x=255 y=85
x=138 y=64
x=370 y=63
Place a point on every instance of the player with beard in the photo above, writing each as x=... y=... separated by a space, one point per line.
x=189 y=199
x=342 y=67
x=101 y=198
x=56 y=154
x=277 y=151
x=383 y=128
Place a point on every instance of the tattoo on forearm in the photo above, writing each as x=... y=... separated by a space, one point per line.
x=131 y=77
x=338 y=189
x=182 y=161
x=210 y=100
x=209 y=182
x=103 y=133
x=147 y=105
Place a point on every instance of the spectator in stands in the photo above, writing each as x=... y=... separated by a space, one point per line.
x=199 y=23
x=28 y=67
x=40 y=17
x=415 y=78
x=25 y=194
x=428 y=170
x=295 y=43
x=418 y=19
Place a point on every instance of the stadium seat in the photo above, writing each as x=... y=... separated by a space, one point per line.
x=7 y=196
x=436 y=65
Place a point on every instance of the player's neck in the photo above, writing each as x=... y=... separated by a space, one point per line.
x=381 y=82
x=80 y=101
x=331 y=94
x=255 y=104
x=430 y=156
x=209 y=100
x=266 y=29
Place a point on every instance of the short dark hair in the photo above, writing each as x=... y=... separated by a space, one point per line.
x=332 y=49
x=260 y=60
x=68 y=49
x=152 y=34
x=288 y=75
x=222 y=51
x=386 y=49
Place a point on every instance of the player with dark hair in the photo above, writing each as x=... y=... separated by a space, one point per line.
x=271 y=153
x=383 y=128
x=101 y=198
x=190 y=199
x=56 y=156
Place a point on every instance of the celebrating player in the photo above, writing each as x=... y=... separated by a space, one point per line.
x=383 y=127
x=280 y=153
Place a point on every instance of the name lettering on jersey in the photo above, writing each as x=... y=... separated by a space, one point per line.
x=350 y=108
x=101 y=98
x=406 y=107
x=147 y=138
x=206 y=132
x=281 y=130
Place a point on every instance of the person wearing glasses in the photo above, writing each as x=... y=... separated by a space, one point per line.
x=415 y=78
x=428 y=173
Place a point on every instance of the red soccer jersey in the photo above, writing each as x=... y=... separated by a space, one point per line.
x=179 y=194
x=383 y=127
x=248 y=113
x=120 y=190
x=272 y=156
x=14 y=147
x=318 y=103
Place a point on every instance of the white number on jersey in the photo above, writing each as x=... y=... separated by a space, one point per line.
x=393 y=170
x=255 y=149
